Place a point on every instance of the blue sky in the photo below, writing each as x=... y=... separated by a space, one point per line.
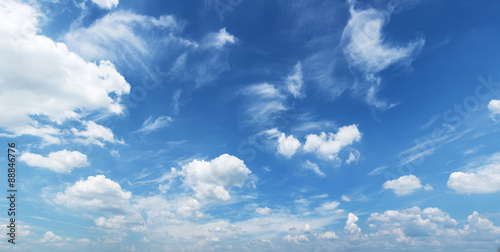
x=252 y=125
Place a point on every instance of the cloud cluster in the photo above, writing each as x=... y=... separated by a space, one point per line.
x=48 y=83
x=213 y=180
x=329 y=145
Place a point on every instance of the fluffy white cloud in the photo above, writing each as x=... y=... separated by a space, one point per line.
x=96 y=193
x=50 y=237
x=351 y=229
x=484 y=179
x=294 y=81
x=328 y=146
x=62 y=161
x=313 y=167
x=46 y=81
x=494 y=107
x=149 y=125
x=212 y=180
x=219 y=39
x=481 y=224
x=404 y=185
x=364 y=42
x=287 y=146
x=263 y=210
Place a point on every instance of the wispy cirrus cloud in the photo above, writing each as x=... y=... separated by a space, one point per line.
x=151 y=125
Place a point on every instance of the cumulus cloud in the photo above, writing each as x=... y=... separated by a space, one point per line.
x=413 y=222
x=46 y=81
x=404 y=185
x=483 y=179
x=106 y=4
x=263 y=210
x=329 y=145
x=96 y=193
x=294 y=81
x=212 y=180
x=494 y=107
x=50 y=237
x=149 y=125
x=62 y=161
x=287 y=146
x=351 y=229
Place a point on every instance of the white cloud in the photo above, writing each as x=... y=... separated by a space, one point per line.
x=351 y=229
x=404 y=185
x=55 y=84
x=62 y=161
x=50 y=237
x=287 y=146
x=263 y=210
x=212 y=180
x=351 y=158
x=368 y=51
x=484 y=179
x=115 y=37
x=494 y=107
x=106 y=4
x=265 y=104
x=413 y=222
x=329 y=235
x=219 y=39
x=313 y=167
x=294 y=81
x=297 y=239
x=329 y=146
x=328 y=207
x=95 y=134
x=428 y=187
x=133 y=221
x=149 y=125
x=345 y=198
x=96 y=193
x=365 y=46
x=482 y=225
